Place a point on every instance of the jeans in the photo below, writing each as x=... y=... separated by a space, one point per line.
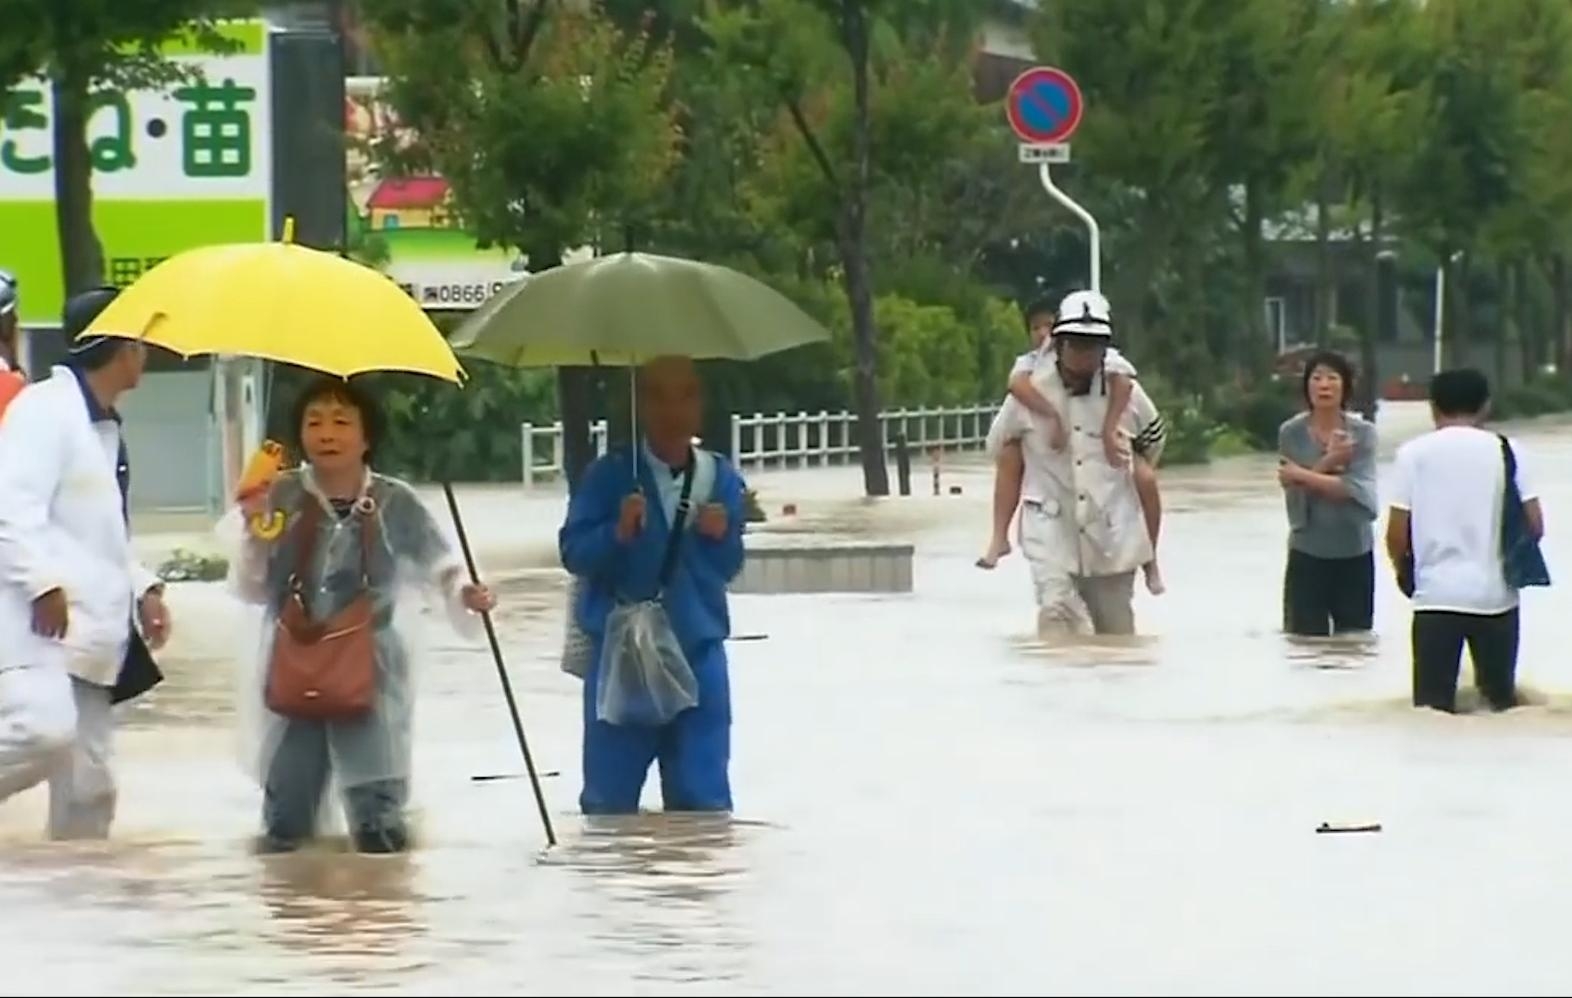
x=296 y=780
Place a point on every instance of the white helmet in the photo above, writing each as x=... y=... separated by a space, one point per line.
x=1084 y=313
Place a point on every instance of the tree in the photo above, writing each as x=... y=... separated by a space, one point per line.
x=1260 y=125
x=549 y=122
x=1527 y=234
x=92 y=52
x=829 y=65
x=1371 y=66
x=1153 y=86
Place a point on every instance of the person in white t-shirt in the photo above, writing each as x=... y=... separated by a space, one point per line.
x=1009 y=469
x=1444 y=535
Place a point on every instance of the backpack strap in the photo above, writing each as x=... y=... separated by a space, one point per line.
x=679 y=521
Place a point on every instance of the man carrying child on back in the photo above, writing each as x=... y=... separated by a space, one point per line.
x=1010 y=466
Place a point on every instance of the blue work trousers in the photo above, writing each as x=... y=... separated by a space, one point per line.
x=694 y=749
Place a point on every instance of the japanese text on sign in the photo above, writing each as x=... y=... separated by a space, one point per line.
x=214 y=133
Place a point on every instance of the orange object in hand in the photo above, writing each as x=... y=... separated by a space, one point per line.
x=261 y=471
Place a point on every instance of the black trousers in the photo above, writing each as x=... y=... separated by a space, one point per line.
x=1438 y=637
x=1324 y=596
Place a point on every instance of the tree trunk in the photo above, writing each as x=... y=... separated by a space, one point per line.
x=1561 y=329
x=854 y=256
x=1370 y=380
x=575 y=399
x=1506 y=294
x=1529 y=340
x=575 y=405
x=1255 y=271
x=1325 y=289
x=81 y=255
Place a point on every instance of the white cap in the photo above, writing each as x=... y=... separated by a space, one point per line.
x=1084 y=313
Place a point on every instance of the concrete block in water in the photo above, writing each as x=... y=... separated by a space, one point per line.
x=825 y=567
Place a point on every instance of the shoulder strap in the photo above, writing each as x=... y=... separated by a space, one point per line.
x=305 y=539
x=1510 y=486
x=679 y=522
x=367 y=528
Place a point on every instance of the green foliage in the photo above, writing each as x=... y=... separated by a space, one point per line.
x=1542 y=395
x=189 y=566
x=114 y=44
x=1255 y=412
x=729 y=130
x=549 y=121
x=1226 y=421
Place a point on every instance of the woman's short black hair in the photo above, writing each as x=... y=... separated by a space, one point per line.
x=1335 y=362
x=328 y=388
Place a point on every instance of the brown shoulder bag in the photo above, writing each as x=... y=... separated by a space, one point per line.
x=323 y=670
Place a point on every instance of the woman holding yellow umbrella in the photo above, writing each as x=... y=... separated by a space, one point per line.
x=331 y=551
x=330 y=698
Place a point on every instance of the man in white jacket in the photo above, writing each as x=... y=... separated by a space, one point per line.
x=70 y=585
x=1081 y=527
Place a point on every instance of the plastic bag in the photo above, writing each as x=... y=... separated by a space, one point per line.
x=645 y=679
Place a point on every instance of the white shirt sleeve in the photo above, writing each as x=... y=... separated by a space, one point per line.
x=1115 y=362
x=1144 y=422
x=1402 y=480
x=1026 y=363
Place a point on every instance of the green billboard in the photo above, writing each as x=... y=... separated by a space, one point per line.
x=173 y=169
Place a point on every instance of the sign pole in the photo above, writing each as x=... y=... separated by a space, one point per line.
x=1093 y=236
x=1044 y=108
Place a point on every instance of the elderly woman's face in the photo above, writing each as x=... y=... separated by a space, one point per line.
x=333 y=434
x=1325 y=388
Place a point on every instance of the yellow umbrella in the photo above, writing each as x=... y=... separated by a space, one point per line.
x=281 y=302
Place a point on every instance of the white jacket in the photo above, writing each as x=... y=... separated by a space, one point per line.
x=1090 y=509
x=62 y=526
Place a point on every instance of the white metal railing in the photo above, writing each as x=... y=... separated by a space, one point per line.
x=551 y=467
x=804 y=440
x=794 y=440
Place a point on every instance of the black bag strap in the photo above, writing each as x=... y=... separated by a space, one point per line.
x=1511 y=464
x=679 y=521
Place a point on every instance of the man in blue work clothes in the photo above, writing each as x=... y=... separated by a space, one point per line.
x=615 y=540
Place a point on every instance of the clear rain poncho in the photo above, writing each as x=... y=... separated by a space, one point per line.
x=409 y=558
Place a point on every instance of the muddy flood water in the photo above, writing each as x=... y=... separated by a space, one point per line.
x=928 y=800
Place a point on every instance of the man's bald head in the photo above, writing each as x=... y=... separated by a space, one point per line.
x=671 y=406
x=673 y=369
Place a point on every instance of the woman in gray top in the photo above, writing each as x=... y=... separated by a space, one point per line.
x=1327 y=471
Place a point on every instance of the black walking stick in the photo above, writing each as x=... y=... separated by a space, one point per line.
x=502 y=672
